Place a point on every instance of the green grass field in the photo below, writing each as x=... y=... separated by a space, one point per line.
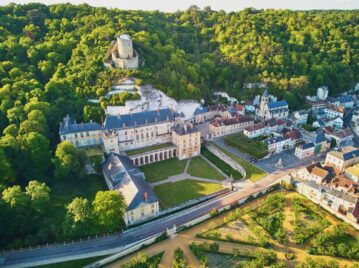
x=253 y=173
x=227 y=169
x=246 y=145
x=162 y=170
x=171 y=194
x=200 y=168
x=148 y=149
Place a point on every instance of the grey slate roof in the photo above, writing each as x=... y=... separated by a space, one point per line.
x=320 y=137
x=139 y=119
x=69 y=125
x=122 y=173
x=277 y=104
x=307 y=146
x=200 y=110
x=183 y=130
x=350 y=155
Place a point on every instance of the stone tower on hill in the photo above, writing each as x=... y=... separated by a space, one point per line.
x=121 y=53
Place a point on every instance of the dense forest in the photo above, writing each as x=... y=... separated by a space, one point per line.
x=51 y=63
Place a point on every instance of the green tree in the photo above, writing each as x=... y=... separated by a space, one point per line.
x=39 y=194
x=79 y=218
x=109 y=208
x=68 y=161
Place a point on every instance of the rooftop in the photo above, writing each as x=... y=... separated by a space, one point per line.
x=139 y=119
x=275 y=140
x=277 y=104
x=129 y=180
x=346 y=154
x=327 y=190
x=353 y=170
x=306 y=146
x=254 y=127
x=69 y=125
x=232 y=121
x=184 y=129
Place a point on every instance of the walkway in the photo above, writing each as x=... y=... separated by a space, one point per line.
x=185 y=175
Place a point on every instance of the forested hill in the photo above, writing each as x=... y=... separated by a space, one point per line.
x=51 y=62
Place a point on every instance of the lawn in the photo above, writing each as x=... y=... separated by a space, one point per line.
x=93 y=151
x=227 y=169
x=63 y=191
x=172 y=194
x=160 y=171
x=148 y=149
x=253 y=173
x=200 y=168
x=246 y=145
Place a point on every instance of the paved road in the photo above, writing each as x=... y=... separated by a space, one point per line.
x=289 y=160
x=97 y=247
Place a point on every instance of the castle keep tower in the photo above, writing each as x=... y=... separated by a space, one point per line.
x=122 y=53
x=124 y=46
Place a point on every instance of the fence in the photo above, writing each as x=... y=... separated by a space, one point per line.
x=151 y=240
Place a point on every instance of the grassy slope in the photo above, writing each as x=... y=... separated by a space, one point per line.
x=253 y=173
x=171 y=194
x=162 y=170
x=200 y=168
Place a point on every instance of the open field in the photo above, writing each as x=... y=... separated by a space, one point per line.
x=227 y=169
x=200 y=168
x=246 y=145
x=171 y=194
x=148 y=149
x=253 y=173
x=162 y=170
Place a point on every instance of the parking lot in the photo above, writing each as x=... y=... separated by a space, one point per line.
x=285 y=160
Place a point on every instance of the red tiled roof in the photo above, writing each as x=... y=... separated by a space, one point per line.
x=254 y=127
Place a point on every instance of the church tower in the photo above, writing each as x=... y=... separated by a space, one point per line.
x=264 y=102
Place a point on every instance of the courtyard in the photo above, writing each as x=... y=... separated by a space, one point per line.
x=177 y=181
x=245 y=234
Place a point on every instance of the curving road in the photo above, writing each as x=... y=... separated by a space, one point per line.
x=115 y=243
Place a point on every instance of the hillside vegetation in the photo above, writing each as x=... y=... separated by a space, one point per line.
x=51 y=63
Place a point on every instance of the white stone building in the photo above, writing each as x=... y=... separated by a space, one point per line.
x=277 y=144
x=221 y=127
x=340 y=160
x=121 y=175
x=80 y=134
x=322 y=93
x=304 y=150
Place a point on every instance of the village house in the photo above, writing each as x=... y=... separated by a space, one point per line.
x=342 y=137
x=300 y=117
x=346 y=102
x=80 y=135
x=121 y=175
x=295 y=137
x=277 y=144
x=340 y=160
x=221 y=127
x=340 y=183
x=304 y=150
x=254 y=131
x=335 y=123
x=313 y=172
x=352 y=173
x=338 y=201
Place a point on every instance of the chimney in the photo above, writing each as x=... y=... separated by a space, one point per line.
x=145 y=196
